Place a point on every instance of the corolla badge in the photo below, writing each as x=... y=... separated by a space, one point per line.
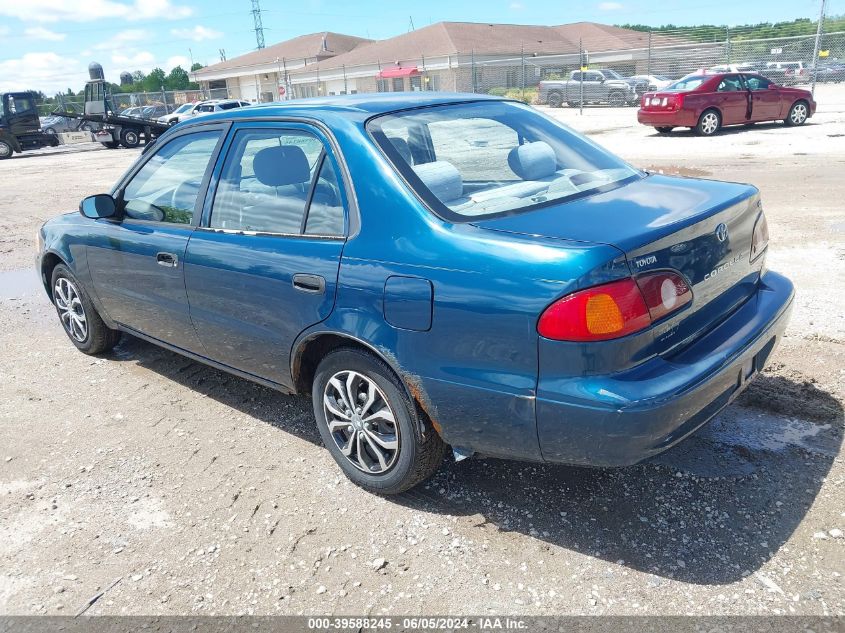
x=722 y=232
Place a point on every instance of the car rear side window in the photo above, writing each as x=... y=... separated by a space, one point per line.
x=485 y=158
x=165 y=189
x=269 y=179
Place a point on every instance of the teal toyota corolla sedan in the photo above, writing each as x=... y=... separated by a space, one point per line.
x=437 y=271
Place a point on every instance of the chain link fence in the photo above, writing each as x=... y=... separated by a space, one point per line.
x=594 y=75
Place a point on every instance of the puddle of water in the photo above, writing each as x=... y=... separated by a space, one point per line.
x=15 y=284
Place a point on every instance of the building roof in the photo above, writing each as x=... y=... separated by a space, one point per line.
x=312 y=46
x=465 y=38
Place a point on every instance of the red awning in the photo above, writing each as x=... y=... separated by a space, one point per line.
x=390 y=73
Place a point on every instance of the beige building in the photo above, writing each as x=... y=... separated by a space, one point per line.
x=450 y=56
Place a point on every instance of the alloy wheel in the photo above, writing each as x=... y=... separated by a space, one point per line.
x=5 y=149
x=709 y=123
x=361 y=422
x=71 y=311
x=798 y=114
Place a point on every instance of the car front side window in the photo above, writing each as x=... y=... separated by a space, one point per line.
x=165 y=189
x=270 y=180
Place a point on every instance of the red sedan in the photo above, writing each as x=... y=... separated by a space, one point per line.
x=705 y=103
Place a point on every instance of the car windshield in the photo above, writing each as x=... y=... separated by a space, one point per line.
x=183 y=108
x=688 y=83
x=229 y=105
x=488 y=158
x=612 y=73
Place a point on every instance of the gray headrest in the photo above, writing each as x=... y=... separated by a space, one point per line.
x=533 y=161
x=442 y=178
x=281 y=165
x=401 y=146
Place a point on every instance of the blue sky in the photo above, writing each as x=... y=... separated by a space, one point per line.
x=47 y=44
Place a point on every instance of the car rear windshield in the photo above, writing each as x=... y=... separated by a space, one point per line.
x=688 y=83
x=229 y=105
x=487 y=158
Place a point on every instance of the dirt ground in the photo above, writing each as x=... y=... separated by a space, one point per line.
x=199 y=492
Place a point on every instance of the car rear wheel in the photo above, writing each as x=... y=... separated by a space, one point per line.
x=708 y=123
x=664 y=129
x=797 y=114
x=370 y=426
x=555 y=100
x=77 y=314
x=5 y=150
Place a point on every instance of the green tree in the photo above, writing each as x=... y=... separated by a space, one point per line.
x=196 y=66
x=154 y=81
x=178 y=79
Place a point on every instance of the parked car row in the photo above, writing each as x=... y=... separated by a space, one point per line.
x=190 y=110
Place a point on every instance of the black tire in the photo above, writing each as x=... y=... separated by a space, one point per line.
x=798 y=114
x=49 y=130
x=111 y=144
x=6 y=150
x=130 y=138
x=707 y=124
x=415 y=458
x=664 y=129
x=98 y=336
x=616 y=99
x=555 y=99
x=86 y=127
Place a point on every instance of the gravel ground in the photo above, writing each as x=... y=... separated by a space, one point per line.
x=203 y=493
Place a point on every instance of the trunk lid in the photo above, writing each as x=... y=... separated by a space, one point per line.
x=700 y=228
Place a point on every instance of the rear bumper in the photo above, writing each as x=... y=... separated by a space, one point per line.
x=679 y=118
x=624 y=418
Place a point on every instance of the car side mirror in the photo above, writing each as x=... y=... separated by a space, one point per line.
x=101 y=205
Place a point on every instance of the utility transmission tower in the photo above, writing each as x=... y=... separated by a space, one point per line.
x=259 y=29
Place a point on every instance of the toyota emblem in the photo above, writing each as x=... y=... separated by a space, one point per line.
x=722 y=232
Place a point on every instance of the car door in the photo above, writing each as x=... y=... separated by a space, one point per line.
x=136 y=263
x=732 y=100
x=263 y=265
x=594 y=88
x=765 y=99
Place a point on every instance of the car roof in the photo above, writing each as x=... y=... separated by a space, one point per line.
x=354 y=107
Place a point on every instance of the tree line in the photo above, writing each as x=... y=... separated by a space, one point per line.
x=763 y=30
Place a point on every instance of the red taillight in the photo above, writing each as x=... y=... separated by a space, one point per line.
x=615 y=309
x=760 y=237
x=664 y=293
x=676 y=101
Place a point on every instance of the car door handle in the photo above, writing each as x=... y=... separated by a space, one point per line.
x=309 y=283
x=167 y=259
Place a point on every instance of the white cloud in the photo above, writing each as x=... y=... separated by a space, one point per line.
x=140 y=60
x=610 y=6
x=197 y=34
x=123 y=38
x=4 y=30
x=40 y=33
x=517 y=6
x=177 y=60
x=91 y=10
x=47 y=72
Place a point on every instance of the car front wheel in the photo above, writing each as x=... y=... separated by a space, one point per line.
x=370 y=426
x=708 y=123
x=5 y=150
x=130 y=138
x=77 y=314
x=797 y=114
